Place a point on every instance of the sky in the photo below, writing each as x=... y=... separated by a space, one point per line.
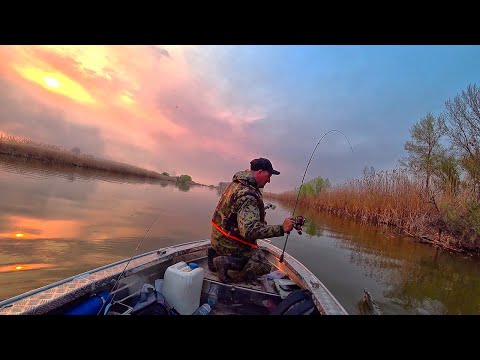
x=206 y=111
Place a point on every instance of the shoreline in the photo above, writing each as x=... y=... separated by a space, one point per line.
x=28 y=150
x=431 y=235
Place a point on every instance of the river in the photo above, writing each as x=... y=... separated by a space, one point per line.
x=57 y=221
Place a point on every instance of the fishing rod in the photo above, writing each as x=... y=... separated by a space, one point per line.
x=297 y=223
x=125 y=268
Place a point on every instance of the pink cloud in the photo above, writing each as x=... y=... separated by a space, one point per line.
x=150 y=105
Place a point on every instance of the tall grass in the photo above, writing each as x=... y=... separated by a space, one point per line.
x=398 y=199
x=28 y=149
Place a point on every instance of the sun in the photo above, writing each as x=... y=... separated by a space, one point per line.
x=56 y=82
x=50 y=81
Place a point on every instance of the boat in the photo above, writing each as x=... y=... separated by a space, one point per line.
x=119 y=288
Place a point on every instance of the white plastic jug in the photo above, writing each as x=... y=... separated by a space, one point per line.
x=182 y=287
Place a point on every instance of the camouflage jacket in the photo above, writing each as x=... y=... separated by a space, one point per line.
x=240 y=213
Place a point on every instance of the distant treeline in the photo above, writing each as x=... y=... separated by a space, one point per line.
x=29 y=149
x=433 y=196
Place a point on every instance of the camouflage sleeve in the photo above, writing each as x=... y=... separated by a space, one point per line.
x=249 y=224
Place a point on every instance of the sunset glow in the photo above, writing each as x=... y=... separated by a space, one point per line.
x=24 y=267
x=127 y=98
x=39 y=228
x=112 y=152
x=206 y=111
x=52 y=81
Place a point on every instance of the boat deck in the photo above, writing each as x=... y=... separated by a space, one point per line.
x=260 y=285
x=257 y=297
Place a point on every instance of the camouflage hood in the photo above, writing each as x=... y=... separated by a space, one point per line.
x=246 y=178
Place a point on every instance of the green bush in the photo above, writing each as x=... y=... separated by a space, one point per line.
x=314 y=187
x=184 y=178
x=464 y=223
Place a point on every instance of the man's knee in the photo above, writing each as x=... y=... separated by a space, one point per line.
x=257 y=268
x=225 y=263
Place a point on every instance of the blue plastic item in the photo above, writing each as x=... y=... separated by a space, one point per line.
x=92 y=305
x=206 y=308
x=192 y=265
x=203 y=310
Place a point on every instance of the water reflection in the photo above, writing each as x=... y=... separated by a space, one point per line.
x=74 y=220
x=183 y=186
x=23 y=267
x=43 y=170
x=403 y=276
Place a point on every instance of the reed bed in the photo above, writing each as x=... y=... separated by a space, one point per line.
x=397 y=199
x=28 y=149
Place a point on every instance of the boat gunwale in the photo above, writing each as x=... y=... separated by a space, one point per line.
x=323 y=298
x=42 y=300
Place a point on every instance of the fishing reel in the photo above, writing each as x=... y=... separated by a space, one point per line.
x=299 y=222
x=270 y=206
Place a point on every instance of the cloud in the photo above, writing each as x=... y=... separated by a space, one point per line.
x=42 y=123
x=208 y=128
x=208 y=110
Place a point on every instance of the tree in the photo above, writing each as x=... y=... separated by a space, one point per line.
x=75 y=151
x=165 y=173
x=320 y=184
x=462 y=126
x=184 y=178
x=425 y=149
x=448 y=175
x=314 y=187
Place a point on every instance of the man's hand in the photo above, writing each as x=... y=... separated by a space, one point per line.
x=288 y=224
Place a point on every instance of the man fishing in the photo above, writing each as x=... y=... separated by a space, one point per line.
x=237 y=223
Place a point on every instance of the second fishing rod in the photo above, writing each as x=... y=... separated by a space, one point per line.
x=300 y=220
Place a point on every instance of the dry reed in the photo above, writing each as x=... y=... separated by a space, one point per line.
x=28 y=149
x=397 y=199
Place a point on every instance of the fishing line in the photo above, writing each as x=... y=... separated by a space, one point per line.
x=125 y=268
x=308 y=164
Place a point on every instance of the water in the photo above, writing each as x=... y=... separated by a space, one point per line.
x=76 y=220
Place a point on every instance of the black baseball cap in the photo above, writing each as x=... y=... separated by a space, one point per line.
x=263 y=164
